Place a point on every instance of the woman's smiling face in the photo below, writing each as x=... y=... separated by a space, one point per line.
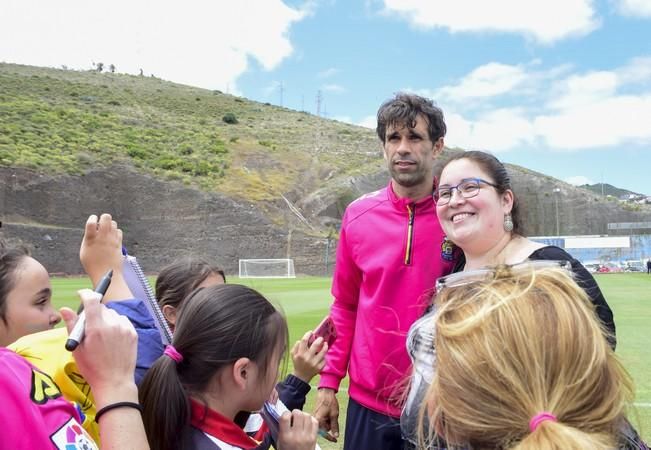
x=475 y=223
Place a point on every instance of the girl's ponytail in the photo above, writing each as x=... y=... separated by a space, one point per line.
x=165 y=403
x=551 y=435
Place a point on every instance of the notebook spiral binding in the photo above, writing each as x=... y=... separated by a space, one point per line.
x=150 y=300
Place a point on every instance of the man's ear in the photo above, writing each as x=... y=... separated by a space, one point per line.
x=169 y=312
x=242 y=372
x=439 y=144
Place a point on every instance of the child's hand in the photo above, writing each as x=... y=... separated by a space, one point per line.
x=297 y=431
x=101 y=248
x=308 y=359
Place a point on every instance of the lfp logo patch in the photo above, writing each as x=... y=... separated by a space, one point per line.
x=447 y=249
x=71 y=436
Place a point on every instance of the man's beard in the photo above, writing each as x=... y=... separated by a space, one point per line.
x=407 y=179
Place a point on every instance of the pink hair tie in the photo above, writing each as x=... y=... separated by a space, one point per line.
x=540 y=418
x=173 y=353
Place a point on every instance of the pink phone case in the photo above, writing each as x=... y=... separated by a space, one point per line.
x=326 y=330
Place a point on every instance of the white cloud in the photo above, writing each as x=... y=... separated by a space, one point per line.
x=368 y=122
x=335 y=88
x=605 y=122
x=634 y=7
x=578 y=180
x=638 y=70
x=195 y=42
x=546 y=22
x=330 y=72
x=558 y=110
x=485 y=81
x=345 y=119
x=583 y=89
x=271 y=88
x=499 y=130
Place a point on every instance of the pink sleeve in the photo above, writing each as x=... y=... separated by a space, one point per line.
x=345 y=289
x=22 y=422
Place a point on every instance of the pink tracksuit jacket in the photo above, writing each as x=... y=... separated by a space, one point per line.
x=390 y=253
x=34 y=415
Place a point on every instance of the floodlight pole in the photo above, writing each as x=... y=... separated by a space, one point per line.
x=327 y=254
x=557 y=192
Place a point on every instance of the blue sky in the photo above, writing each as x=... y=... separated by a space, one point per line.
x=558 y=86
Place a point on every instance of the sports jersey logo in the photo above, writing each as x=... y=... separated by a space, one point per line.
x=447 y=249
x=43 y=388
x=71 y=436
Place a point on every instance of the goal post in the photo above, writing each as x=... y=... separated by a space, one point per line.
x=267 y=268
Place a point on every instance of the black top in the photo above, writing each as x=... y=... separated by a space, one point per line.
x=583 y=279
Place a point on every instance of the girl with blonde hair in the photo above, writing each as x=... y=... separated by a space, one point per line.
x=521 y=363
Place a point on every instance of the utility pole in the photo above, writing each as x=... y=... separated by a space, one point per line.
x=281 y=93
x=319 y=98
x=602 y=184
x=557 y=192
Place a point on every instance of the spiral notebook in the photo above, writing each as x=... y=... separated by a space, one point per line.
x=141 y=289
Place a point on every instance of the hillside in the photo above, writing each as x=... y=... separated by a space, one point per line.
x=609 y=189
x=181 y=180
x=63 y=121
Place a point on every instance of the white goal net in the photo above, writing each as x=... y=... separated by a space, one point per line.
x=267 y=268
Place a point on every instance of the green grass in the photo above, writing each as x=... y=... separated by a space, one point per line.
x=305 y=301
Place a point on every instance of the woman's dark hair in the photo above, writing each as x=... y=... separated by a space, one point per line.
x=493 y=167
x=10 y=260
x=404 y=109
x=216 y=326
x=176 y=281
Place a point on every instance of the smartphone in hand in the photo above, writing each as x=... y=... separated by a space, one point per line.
x=326 y=330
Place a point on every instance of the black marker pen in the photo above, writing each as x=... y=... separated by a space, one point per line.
x=77 y=333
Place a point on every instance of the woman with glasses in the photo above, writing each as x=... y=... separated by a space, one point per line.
x=505 y=379
x=479 y=213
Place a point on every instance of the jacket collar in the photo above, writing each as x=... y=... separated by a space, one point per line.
x=401 y=203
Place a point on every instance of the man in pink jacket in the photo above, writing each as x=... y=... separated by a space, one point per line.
x=390 y=253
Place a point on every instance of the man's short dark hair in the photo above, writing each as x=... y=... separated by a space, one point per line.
x=403 y=110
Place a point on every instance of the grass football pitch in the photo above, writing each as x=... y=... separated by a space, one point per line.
x=305 y=302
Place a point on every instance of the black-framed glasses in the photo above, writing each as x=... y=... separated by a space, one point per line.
x=468 y=188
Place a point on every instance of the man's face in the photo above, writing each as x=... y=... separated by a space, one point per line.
x=410 y=154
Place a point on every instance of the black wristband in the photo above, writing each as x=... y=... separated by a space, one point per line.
x=107 y=408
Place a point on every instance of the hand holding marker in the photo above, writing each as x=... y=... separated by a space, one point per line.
x=77 y=334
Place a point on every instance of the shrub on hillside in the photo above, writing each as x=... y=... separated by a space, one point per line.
x=230 y=118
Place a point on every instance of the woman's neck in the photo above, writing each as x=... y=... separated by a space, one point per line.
x=495 y=255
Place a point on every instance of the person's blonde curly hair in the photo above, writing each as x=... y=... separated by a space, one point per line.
x=519 y=344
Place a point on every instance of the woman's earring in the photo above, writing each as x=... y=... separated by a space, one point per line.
x=508 y=223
